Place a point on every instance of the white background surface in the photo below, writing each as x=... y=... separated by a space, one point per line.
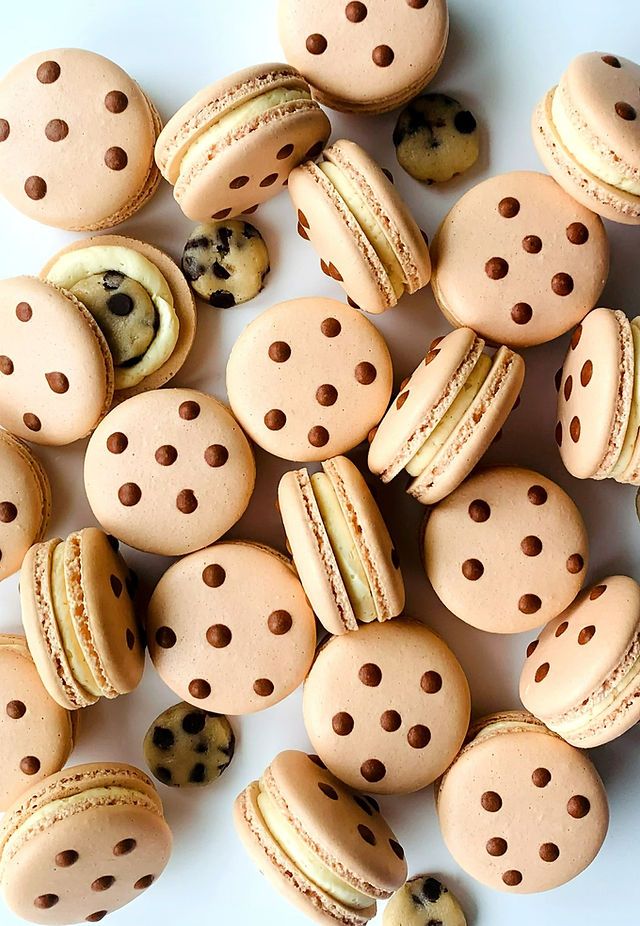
x=502 y=56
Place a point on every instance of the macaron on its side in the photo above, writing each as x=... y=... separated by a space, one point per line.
x=25 y=502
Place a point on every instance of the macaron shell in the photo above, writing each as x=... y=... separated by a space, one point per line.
x=536 y=215
x=182 y=465
x=25 y=502
x=351 y=357
x=56 y=380
x=474 y=550
x=387 y=708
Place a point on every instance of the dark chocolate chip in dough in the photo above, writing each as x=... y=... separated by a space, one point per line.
x=575 y=564
x=120 y=304
x=465 y=122
x=163 y=738
x=116 y=158
x=496 y=846
x=586 y=373
x=397 y=849
x=390 y=721
x=35 y=187
x=575 y=337
x=165 y=637
x=373 y=770
x=531 y=545
x=314 y=151
x=193 y=723
x=472 y=569
x=96 y=917
x=362 y=804
x=316 y=44
x=197 y=773
x=574 y=429
x=199 y=688
x=331 y=327
x=402 y=398
x=479 y=511
x=130 y=638
x=220 y=272
x=568 y=387
x=238 y=182
x=383 y=56
x=5 y=129
x=163 y=774
x=586 y=635
x=432 y=890
x=213 y=575
x=549 y=852
x=562 y=628
x=24 y=312
x=216 y=455
x=355 y=12
x=318 y=436
x=56 y=130
x=116 y=585
x=31 y=421
x=116 y=101
x=58 y=382
x=596 y=591
x=419 y=736
x=8 y=512
x=48 y=72
x=317 y=761
x=221 y=214
x=221 y=299
x=269 y=180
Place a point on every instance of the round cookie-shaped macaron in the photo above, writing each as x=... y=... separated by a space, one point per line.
x=536 y=269
x=56 y=370
x=76 y=140
x=520 y=810
x=387 y=708
x=364 y=57
x=169 y=471
x=507 y=551
x=309 y=378
x=580 y=677
x=230 y=629
x=189 y=747
x=25 y=502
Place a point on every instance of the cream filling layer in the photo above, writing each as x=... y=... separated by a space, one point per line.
x=305 y=859
x=366 y=219
x=344 y=548
x=633 y=427
x=452 y=418
x=504 y=726
x=74 y=266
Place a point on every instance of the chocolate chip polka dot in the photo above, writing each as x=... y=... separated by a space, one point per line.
x=317 y=761
x=395 y=558
x=48 y=72
x=96 y=917
x=8 y=512
x=166 y=455
x=625 y=111
x=31 y=421
x=285 y=152
x=472 y=569
x=496 y=846
x=35 y=187
x=129 y=494
x=596 y=592
x=331 y=270
x=326 y=395
x=199 y=688
x=575 y=564
x=67 y=858
x=116 y=158
x=263 y=687
x=531 y=546
x=512 y=878
x=314 y=151
x=402 y=398
x=318 y=436
x=355 y=12
x=238 y=182
x=30 y=765
x=186 y=501
x=46 y=901
x=221 y=214
x=275 y=419
x=331 y=327
x=389 y=177
x=189 y=410
x=561 y=628
x=537 y=495
x=366 y=834
x=316 y=44
x=213 y=575
x=269 y=180
x=532 y=244
x=611 y=60
x=24 y=312
x=417 y=4
x=370 y=674
x=16 y=710
x=541 y=672
x=532 y=647
x=479 y=511
x=431 y=682
x=574 y=429
x=522 y=313
x=165 y=637
x=362 y=804
x=419 y=736
x=586 y=373
x=383 y=56
x=586 y=635
x=496 y=268
x=279 y=351
x=558 y=379
x=116 y=585
x=541 y=777
x=58 y=382
x=390 y=721
x=578 y=806
x=568 y=387
x=529 y=604
x=491 y=801
x=577 y=233
x=117 y=442
x=143 y=883
x=328 y=791
x=342 y=723
x=365 y=373
x=508 y=207
x=219 y=636
x=562 y=284
x=279 y=622
x=5 y=129
x=116 y=102
x=373 y=770
x=216 y=455
x=130 y=639
x=103 y=883
x=549 y=852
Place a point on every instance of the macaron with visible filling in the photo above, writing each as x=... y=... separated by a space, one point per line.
x=366 y=237
x=325 y=848
x=25 y=502
x=234 y=144
x=446 y=415
x=340 y=545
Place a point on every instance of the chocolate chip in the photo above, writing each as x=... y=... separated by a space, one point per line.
x=117 y=442
x=263 y=687
x=568 y=387
x=129 y=494
x=318 y=436
x=541 y=672
x=521 y=313
x=397 y=849
x=529 y=604
x=383 y=56
x=213 y=575
x=395 y=558
x=331 y=270
x=431 y=682
x=596 y=591
x=216 y=455
x=8 y=512
x=48 y=72
x=417 y=4
x=130 y=638
x=24 y=312
x=402 y=398
x=574 y=429
x=365 y=373
x=35 y=187
x=5 y=129
x=531 y=546
x=549 y=852
x=189 y=410
x=390 y=721
x=532 y=244
x=143 y=883
x=275 y=419
x=472 y=569
x=626 y=111
x=479 y=511
x=366 y=834
x=316 y=44
x=512 y=878
x=532 y=647
x=116 y=101
x=199 y=689
x=269 y=180
x=166 y=455
x=373 y=770
x=6 y=365
x=103 y=883
x=238 y=182
x=496 y=846
x=575 y=564
x=612 y=61
x=465 y=123
x=562 y=284
x=370 y=674
x=508 y=207
x=302 y=232
x=222 y=299
x=314 y=151
x=116 y=585
x=355 y=12
x=197 y=773
x=221 y=214
x=46 y=901
x=578 y=806
x=331 y=327
x=577 y=233
x=491 y=801
x=120 y=304
x=326 y=395
x=193 y=723
x=541 y=777
x=389 y=177
x=279 y=622
x=16 y=710
x=56 y=130
x=342 y=723
x=418 y=736
x=219 y=636
x=186 y=501
x=31 y=421
x=30 y=765
x=285 y=152
x=362 y=804
x=279 y=351
x=537 y=495
x=165 y=637
x=58 y=382
x=561 y=628
x=496 y=268
x=112 y=280
x=67 y=858
x=586 y=635
x=328 y=791
x=96 y=917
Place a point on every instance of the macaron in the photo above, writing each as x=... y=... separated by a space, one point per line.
x=519 y=260
x=169 y=471
x=139 y=299
x=233 y=145
x=309 y=378
x=581 y=676
x=446 y=415
x=79 y=618
x=25 y=502
x=341 y=547
x=82 y=844
x=507 y=550
x=56 y=370
x=362 y=229
x=387 y=708
x=327 y=849
x=598 y=421
x=364 y=57
x=76 y=140
x=520 y=810
x=587 y=133
x=36 y=734
x=230 y=629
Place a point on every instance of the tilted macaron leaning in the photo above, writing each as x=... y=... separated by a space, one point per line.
x=340 y=545
x=446 y=415
x=587 y=132
x=326 y=848
x=363 y=231
x=234 y=144
x=25 y=501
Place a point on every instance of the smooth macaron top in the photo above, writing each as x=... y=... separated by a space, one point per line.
x=25 y=502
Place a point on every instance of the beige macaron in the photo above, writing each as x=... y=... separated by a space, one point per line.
x=25 y=502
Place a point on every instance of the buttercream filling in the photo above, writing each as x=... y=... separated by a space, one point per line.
x=633 y=427
x=504 y=726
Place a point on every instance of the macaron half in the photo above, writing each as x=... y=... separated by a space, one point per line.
x=340 y=545
x=25 y=502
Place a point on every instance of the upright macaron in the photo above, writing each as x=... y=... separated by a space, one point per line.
x=25 y=502
x=587 y=132
x=233 y=145
x=363 y=231
x=76 y=140
x=325 y=848
x=446 y=415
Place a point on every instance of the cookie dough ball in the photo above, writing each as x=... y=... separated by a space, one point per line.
x=226 y=262
x=436 y=138
x=423 y=901
x=186 y=746
x=124 y=311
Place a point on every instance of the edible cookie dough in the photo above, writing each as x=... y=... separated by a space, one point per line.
x=436 y=138
x=226 y=262
x=25 y=501
x=186 y=746
x=423 y=901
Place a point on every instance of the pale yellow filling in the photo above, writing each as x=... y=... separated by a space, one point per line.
x=305 y=859
x=452 y=418
x=633 y=427
x=626 y=686
x=344 y=548
x=504 y=726
x=369 y=224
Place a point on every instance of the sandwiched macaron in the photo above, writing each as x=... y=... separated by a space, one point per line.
x=598 y=428
x=234 y=144
x=366 y=237
x=447 y=414
x=507 y=550
x=56 y=369
x=387 y=708
x=230 y=629
x=520 y=810
x=309 y=378
x=364 y=57
x=325 y=848
x=140 y=301
x=582 y=675
x=76 y=140
x=587 y=132
x=79 y=619
x=340 y=545
x=169 y=471
x=25 y=501
x=36 y=734
x=518 y=260
x=82 y=844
